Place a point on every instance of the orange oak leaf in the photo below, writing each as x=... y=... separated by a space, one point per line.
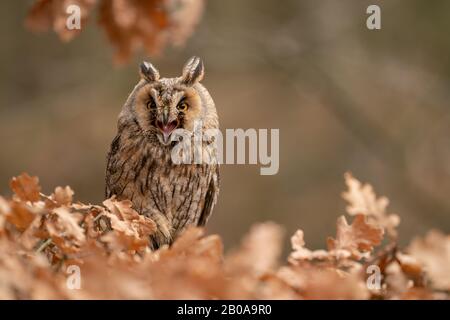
x=358 y=238
x=363 y=200
x=25 y=187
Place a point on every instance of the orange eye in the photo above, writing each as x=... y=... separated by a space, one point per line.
x=182 y=106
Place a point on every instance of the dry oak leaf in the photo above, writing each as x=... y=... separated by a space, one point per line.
x=34 y=234
x=132 y=230
x=329 y=284
x=410 y=266
x=20 y=215
x=64 y=229
x=53 y=14
x=300 y=253
x=25 y=187
x=358 y=239
x=130 y=24
x=192 y=242
x=191 y=268
x=313 y=282
x=395 y=281
x=127 y=220
x=210 y=247
x=187 y=240
x=433 y=252
x=17 y=213
x=259 y=250
x=184 y=17
x=62 y=196
x=275 y=288
x=363 y=200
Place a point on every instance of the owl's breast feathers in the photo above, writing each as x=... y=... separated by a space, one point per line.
x=175 y=196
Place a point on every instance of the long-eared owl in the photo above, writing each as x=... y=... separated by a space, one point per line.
x=139 y=163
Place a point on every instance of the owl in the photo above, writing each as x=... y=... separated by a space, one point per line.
x=140 y=166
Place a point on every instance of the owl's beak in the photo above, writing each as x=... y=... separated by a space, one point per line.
x=166 y=129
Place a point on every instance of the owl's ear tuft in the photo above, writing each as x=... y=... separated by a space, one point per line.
x=148 y=71
x=193 y=71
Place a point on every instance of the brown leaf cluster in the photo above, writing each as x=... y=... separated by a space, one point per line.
x=47 y=15
x=128 y=24
x=42 y=239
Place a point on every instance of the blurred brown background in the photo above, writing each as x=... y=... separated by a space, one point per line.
x=375 y=103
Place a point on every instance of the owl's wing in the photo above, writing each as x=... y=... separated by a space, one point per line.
x=111 y=154
x=210 y=198
x=107 y=184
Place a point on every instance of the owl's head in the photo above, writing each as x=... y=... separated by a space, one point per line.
x=161 y=105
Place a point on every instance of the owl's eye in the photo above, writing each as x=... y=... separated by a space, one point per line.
x=151 y=104
x=182 y=106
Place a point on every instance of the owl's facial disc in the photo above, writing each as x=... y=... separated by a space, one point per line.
x=166 y=128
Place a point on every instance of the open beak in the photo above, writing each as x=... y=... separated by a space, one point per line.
x=166 y=129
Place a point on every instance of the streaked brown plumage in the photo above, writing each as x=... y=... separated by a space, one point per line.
x=139 y=165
